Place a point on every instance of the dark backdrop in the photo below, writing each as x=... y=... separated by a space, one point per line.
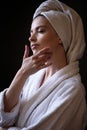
x=15 y=21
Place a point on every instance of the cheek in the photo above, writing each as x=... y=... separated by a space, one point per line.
x=49 y=41
x=52 y=42
x=45 y=40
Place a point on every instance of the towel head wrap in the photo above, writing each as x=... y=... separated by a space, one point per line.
x=68 y=25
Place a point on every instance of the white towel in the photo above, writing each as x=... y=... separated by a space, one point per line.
x=68 y=25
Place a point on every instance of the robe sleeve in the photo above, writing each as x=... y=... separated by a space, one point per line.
x=7 y=118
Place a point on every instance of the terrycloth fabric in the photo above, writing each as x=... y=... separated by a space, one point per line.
x=68 y=25
x=59 y=104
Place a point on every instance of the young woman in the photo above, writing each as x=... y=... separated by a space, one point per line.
x=47 y=92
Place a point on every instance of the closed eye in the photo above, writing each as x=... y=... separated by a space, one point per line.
x=40 y=30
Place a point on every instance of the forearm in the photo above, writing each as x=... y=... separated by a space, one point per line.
x=12 y=94
x=30 y=65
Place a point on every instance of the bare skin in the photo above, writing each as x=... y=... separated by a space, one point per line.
x=29 y=66
x=48 y=52
x=42 y=34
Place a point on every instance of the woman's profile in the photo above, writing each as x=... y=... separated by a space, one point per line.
x=47 y=92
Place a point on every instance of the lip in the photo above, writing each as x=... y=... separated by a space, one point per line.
x=34 y=46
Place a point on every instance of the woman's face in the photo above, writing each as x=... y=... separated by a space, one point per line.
x=42 y=35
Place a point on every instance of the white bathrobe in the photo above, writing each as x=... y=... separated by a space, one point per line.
x=59 y=104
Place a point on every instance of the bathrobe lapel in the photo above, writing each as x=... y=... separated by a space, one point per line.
x=44 y=91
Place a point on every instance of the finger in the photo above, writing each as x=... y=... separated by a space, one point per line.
x=26 y=52
x=44 y=51
x=46 y=64
x=41 y=60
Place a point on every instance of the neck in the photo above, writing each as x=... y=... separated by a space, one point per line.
x=58 y=62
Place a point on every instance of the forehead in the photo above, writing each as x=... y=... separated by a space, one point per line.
x=40 y=21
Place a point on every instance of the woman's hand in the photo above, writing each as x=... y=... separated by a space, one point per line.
x=35 y=62
x=29 y=66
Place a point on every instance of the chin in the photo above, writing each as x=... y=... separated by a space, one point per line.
x=35 y=51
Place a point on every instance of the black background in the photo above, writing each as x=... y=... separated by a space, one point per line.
x=15 y=21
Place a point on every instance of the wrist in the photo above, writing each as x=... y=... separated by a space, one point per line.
x=23 y=73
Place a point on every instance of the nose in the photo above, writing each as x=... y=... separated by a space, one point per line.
x=32 y=37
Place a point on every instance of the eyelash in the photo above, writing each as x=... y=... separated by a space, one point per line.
x=40 y=31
